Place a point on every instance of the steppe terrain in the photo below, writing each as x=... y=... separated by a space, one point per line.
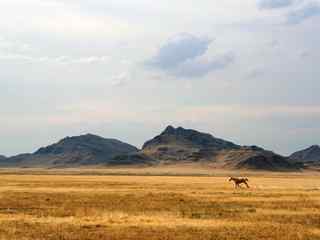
x=154 y=204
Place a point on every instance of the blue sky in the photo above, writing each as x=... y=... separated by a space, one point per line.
x=246 y=71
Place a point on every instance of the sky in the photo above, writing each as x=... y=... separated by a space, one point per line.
x=246 y=71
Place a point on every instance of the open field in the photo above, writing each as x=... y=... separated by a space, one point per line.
x=35 y=205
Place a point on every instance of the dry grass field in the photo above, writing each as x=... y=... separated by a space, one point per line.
x=64 y=206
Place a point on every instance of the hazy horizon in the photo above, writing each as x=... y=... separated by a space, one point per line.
x=245 y=71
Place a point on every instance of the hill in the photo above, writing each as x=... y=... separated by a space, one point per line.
x=78 y=151
x=309 y=156
x=176 y=145
x=172 y=146
x=253 y=159
x=179 y=144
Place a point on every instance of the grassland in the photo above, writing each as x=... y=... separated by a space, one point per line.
x=52 y=205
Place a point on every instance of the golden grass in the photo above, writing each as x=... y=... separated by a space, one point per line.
x=277 y=206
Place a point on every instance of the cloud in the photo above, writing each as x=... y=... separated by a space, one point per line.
x=273 y=4
x=179 y=49
x=274 y=43
x=119 y=80
x=58 y=19
x=307 y=11
x=304 y=54
x=7 y=45
x=209 y=112
x=183 y=56
x=57 y=60
x=201 y=67
x=255 y=73
x=84 y=60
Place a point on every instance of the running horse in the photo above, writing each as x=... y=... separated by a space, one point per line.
x=239 y=181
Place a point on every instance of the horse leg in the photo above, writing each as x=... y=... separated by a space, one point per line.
x=246 y=184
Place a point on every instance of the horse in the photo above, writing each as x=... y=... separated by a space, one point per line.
x=238 y=181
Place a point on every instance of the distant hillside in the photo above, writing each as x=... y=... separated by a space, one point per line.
x=78 y=151
x=253 y=159
x=189 y=138
x=309 y=156
x=2 y=157
x=172 y=146
x=176 y=145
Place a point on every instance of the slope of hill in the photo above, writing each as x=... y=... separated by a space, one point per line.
x=76 y=151
x=179 y=144
x=172 y=146
x=176 y=145
x=189 y=137
x=309 y=156
x=2 y=157
x=253 y=159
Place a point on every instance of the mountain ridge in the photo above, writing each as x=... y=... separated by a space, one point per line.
x=190 y=136
x=176 y=145
x=307 y=156
x=171 y=146
x=88 y=149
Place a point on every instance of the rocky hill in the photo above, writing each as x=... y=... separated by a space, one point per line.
x=175 y=145
x=309 y=156
x=79 y=151
x=253 y=159
x=172 y=146
x=189 y=137
x=179 y=144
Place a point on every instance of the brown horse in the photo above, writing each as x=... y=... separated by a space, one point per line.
x=238 y=181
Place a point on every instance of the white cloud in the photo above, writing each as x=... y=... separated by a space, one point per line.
x=255 y=72
x=201 y=67
x=56 y=18
x=183 y=56
x=303 y=13
x=7 y=45
x=304 y=54
x=273 y=4
x=120 y=79
x=54 y=60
